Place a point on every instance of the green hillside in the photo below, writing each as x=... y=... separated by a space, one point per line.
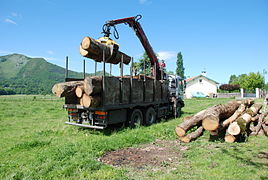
x=20 y=74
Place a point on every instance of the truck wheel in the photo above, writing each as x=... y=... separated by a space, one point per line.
x=136 y=118
x=150 y=116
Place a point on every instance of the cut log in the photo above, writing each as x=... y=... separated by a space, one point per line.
x=187 y=124
x=193 y=135
x=65 y=88
x=241 y=123
x=234 y=129
x=229 y=138
x=79 y=91
x=237 y=113
x=216 y=113
x=92 y=85
x=90 y=101
x=93 y=49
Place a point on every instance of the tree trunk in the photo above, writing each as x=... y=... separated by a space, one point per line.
x=93 y=49
x=216 y=113
x=192 y=135
x=237 y=113
x=241 y=123
x=79 y=91
x=93 y=85
x=65 y=88
x=187 y=124
x=90 y=101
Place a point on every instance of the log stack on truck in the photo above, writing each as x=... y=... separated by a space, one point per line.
x=98 y=101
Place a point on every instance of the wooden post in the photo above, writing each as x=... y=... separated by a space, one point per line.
x=84 y=68
x=103 y=79
x=131 y=80
x=96 y=68
x=121 y=79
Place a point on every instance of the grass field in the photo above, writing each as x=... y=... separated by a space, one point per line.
x=36 y=144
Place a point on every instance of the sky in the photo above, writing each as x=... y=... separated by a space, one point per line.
x=221 y=37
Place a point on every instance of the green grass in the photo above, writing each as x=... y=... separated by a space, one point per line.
x=36 y=144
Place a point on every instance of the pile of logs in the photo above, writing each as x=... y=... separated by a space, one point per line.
x=95 y=50
x=85 y=93
x=233 y=122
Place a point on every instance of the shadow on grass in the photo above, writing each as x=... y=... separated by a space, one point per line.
x=245 y=160
x=116 y=128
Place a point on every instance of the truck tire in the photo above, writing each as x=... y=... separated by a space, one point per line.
x=150 y=116
x=178 y=110
x=136 y=118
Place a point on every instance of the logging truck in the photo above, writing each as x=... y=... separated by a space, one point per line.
x=99 y=101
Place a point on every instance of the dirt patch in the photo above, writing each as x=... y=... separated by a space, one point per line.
x=159 y=154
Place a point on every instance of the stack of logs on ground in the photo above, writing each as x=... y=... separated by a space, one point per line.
x=233 y=122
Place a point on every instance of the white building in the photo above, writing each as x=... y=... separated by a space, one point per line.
x=200 y=86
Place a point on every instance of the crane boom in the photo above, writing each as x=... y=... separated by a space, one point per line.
x=136 y=26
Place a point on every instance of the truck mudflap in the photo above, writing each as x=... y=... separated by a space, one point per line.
x=85 y=126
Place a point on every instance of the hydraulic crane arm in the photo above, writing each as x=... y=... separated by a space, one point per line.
x=135 y=25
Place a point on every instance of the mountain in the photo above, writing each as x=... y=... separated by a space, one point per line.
x=20 y=74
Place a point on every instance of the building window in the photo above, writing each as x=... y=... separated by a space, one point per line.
x=200 y=80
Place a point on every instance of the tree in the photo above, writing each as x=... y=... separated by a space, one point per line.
x=250 y=81
x=229 y=87
x=233 y=78
x=180 y=68
x=140 y=65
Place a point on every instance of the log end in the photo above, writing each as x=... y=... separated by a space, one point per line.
x=229 y=138
x=85 y=42
x=79 y=91
x=185 y=139
x=180 y=131
x=83 y=52
x=234 y=129
x=210 y=123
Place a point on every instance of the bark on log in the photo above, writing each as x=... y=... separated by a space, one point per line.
x=187 y=124
x=65 y=88
x=92 y=85
x=241 y=123
x=255 y=118
x=216 y=113
x=193 y=135
x=93 y=49
x=237 y=113
x=90 y=101
x=79 y=91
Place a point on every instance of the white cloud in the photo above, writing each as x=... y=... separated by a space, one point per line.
x=165 y=55
x=145 y=2
x=50 y=52
x=10 y=21
x=5 y=52
x=142 y=1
